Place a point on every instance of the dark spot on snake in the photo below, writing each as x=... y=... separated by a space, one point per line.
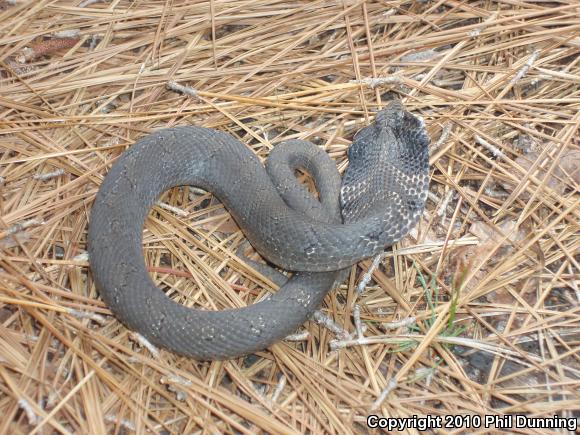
x=414 y=205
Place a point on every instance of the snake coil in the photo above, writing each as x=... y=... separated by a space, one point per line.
x=382 y=197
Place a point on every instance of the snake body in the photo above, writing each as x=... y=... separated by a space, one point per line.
x=382 y=196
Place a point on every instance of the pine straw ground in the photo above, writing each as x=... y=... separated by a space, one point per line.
x=476 y=312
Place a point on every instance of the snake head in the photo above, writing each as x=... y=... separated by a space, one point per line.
x=397 y=136
x=388 y=159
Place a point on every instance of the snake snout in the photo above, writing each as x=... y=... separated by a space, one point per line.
x=408 y=144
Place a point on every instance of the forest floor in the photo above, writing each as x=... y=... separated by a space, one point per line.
x=475 y=312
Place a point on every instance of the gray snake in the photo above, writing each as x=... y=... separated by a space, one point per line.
x=382 y=197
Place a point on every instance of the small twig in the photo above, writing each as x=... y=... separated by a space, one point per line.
x=443 y=207
x=325 y=321
x=16 y=228
x=30 y=414
x=146 y=343
x=127 y=424
x=83 y=256
x=197 y=191
x=434 y=198
x=524 y=69
x=426 y=373
x=71 y=33
x=349 y=342
x=390 y=12
x=368 y=275
x=493 y=149
x=175 y=379
x=399 y=324
x=84 y=315
x=86 y=3
x=172 y=380
x=174 y=86
x=172 y=209
x=357 y=322
x=476 y=32
x=48 y=175
x=299 y=336
x=94 y=41
x=374 y=82
x=442 y=138
x=279 y=388
x=391 y=385
x=493 y=193
x=420 y=56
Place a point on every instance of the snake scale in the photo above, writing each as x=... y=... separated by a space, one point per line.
x=381 y=198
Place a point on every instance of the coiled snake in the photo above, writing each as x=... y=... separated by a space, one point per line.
x=382 y=196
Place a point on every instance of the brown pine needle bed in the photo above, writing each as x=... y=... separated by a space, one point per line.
x=475 y=312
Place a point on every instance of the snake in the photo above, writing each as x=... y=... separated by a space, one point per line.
x=378 y=201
